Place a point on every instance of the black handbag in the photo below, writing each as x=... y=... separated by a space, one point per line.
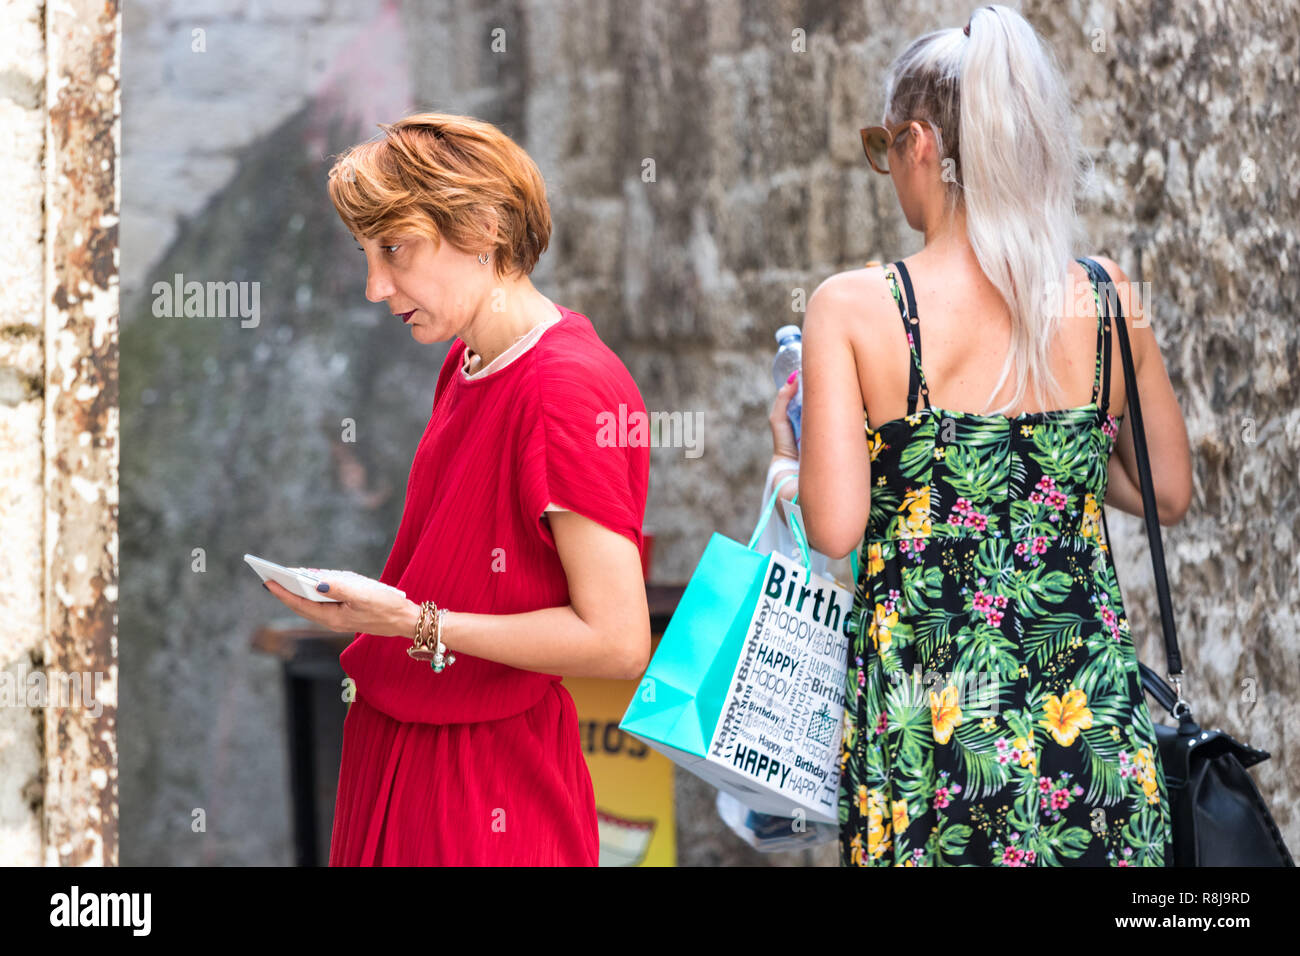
x=1218 y=815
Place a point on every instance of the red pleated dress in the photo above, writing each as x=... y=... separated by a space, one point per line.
x=481 y=765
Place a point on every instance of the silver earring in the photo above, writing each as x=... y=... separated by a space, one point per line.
x=483 y=258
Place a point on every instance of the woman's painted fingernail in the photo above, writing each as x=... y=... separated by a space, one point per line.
x=792 y=376
x=322 y=587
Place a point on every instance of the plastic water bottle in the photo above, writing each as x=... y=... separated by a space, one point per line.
x=789 y=358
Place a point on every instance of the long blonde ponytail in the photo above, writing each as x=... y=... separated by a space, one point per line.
x=1013 y=158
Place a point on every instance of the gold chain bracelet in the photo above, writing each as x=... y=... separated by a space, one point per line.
x=430 y=647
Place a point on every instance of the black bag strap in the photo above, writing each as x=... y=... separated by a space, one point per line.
x=1110 y=301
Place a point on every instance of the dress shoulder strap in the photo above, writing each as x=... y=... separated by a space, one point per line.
x=917 y=389
x=1101 y=283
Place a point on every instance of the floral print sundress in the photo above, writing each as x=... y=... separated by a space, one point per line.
x=995 y=713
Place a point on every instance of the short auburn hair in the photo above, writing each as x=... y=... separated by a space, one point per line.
x=440 y=175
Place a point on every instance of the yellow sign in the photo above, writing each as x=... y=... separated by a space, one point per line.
x=634 y=784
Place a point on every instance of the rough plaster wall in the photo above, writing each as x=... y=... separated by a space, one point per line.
x=760 y=191
x=208 y=78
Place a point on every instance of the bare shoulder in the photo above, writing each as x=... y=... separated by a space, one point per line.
x=1137 y=319
x=1124 y=288
x=851 y=302
x=1117 y=275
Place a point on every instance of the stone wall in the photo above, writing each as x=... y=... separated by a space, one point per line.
x=759 y=190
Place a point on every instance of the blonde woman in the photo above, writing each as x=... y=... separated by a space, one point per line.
x=995 y=710
x=522 y=523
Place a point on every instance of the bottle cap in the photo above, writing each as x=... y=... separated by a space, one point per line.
x=786 y=332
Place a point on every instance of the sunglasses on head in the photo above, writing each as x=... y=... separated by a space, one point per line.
x=877 y=140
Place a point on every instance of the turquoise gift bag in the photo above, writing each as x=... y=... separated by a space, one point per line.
x=746 y=686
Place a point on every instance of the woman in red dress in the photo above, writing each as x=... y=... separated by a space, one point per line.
x=522 y=520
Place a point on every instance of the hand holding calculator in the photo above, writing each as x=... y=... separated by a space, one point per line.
x=303 y=581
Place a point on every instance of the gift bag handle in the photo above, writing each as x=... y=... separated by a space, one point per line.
x=796 y=528
x=767 y=514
